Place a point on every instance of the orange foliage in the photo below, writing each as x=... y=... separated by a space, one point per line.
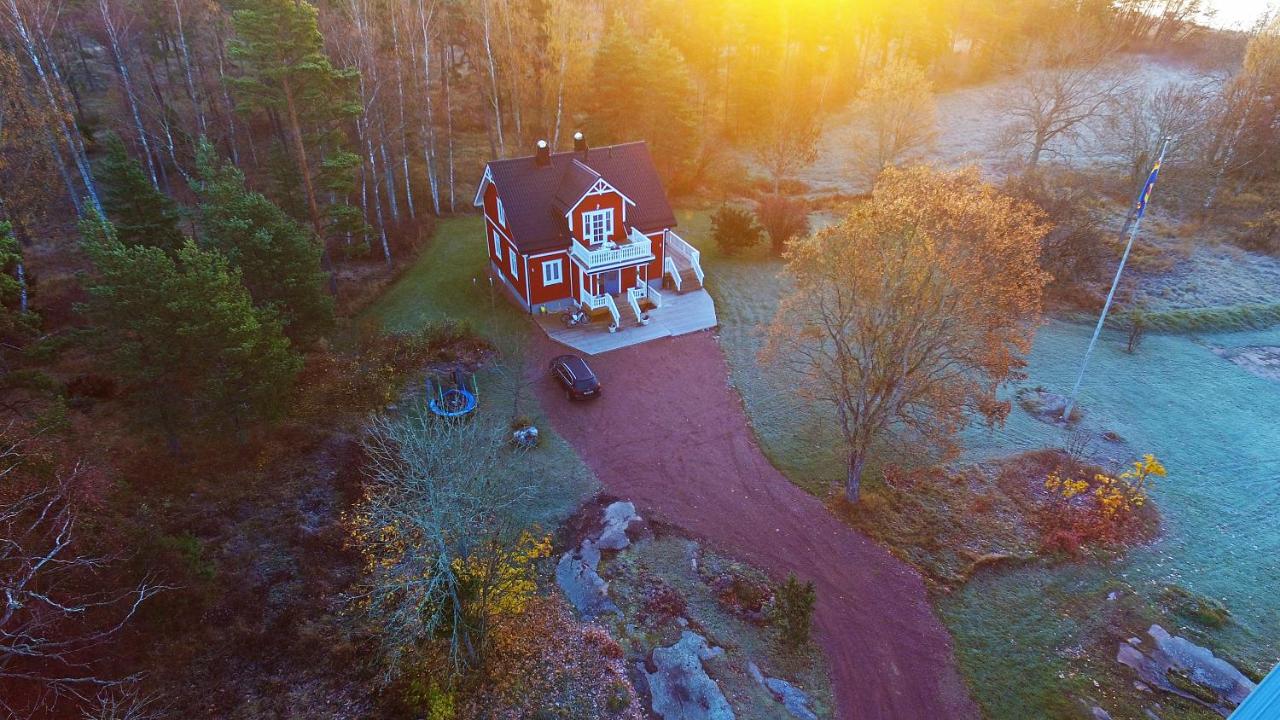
x=913 y=310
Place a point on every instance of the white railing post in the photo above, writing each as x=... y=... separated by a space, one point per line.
x=670 y=267
x=613 y=309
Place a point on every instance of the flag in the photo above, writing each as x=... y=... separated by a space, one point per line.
x=1146 y=189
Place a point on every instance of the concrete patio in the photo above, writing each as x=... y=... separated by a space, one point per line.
x=680 y=314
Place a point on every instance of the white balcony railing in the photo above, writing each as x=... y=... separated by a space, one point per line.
x=637 y=249
x=677 y=244
x=597 y=302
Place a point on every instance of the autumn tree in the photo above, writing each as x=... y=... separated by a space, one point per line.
x=16 y=320
x=783 y=219
x=28 y=177
x=182 y=332
x=910 y=313
x=896 y=118
x=140 y=213
x=278 y=258
x=445 y=531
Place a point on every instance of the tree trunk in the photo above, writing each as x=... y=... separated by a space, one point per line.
x=853 y=478
x=122 y=70
x=186 y=70
x=308 y=186
x=494 y=100
x=447 y=68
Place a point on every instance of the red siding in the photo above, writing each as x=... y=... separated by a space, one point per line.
x=539 y=291
x=599 y=202
x=503 y=261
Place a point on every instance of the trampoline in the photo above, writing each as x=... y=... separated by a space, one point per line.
x=454 y=395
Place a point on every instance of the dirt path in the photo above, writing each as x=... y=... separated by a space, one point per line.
x=671 y=435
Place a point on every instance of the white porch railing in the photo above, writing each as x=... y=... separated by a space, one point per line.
x=669 y=267
x=655 y=297
x=597 y=302
x=634 y=296
x=638 y=249
x=677 y=244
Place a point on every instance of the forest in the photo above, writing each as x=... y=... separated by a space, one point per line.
x=208 y=206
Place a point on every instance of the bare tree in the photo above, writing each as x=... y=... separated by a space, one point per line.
x=56 y=612
x=1053 y=103
x=897 y=118
x=443 y=506
x=788 y=142
x=1143 y=117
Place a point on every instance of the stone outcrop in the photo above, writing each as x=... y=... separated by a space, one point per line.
x=679 y=684
x=795 y=700
x=577 y=570
x=1177 y=665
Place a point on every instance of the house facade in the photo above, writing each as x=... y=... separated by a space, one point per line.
x=589 y=228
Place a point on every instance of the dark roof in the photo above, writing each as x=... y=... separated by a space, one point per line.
x=535 y=197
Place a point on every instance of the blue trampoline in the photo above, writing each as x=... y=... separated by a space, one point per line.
x=452 y=396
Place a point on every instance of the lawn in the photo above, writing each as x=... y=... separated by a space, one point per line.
x=448 y=282
x=1033 y=637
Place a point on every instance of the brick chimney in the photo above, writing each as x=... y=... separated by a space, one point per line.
x=543 y=156
x=579 y=142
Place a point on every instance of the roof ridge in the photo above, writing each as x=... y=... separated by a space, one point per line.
x=562 y=153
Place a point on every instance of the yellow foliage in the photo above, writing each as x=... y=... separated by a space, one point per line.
x=507 y=577
x=1116 y=495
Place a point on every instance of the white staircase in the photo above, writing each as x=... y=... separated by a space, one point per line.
x=683 y=261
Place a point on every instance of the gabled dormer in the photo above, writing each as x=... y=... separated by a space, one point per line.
x=595 y=211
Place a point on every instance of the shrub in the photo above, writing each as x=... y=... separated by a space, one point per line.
x=793 y=611
x=734 y=230
x=783 y=219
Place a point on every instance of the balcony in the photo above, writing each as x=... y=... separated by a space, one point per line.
x=638 y=249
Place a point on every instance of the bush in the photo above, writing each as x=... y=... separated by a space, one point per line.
x=734 y=230
x=783 y=219
x=793 y=611
x=1074 y=251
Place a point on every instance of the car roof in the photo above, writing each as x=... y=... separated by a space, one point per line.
x=575 y=365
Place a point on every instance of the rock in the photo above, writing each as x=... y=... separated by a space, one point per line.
x=1178 y=666
x=525 y=437
x=582 y=585
x=680 y=687
x=795 y=700
x=1099 y=714
x=618 y=517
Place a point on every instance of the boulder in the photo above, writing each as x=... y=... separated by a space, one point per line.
x=679 y=685
x=1178 y=666
x=795 y=700
x=618 y=517
x=582 y=585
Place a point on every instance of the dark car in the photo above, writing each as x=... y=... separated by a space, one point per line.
x=573 y=373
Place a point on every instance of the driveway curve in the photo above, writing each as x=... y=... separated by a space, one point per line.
x=670 y=434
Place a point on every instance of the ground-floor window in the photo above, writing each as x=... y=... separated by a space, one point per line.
x=552 y=272
x=515 y=267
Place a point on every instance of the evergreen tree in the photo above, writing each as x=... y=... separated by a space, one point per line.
x=141 y=214
x=14 y=319
x=278 y=258
x=183 y=333
x=642 y=91
x=280 y=50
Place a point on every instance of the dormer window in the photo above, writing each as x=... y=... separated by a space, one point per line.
x=597 y=225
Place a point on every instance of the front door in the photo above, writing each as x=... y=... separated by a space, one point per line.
x=613 y=282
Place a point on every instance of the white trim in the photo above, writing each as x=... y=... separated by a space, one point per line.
x=484 y=179
x=497 y=241
x=502 y=213
x=547 y=267
x=606 y=225
x=511 y=262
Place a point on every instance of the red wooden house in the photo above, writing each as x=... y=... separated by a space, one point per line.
x=590 y=228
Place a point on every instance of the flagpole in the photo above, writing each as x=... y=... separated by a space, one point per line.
x=1102 y=317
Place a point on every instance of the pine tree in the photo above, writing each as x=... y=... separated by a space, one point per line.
x=617 y=98
x=14 y=320
x=280 y=50
x=278 y=258
x=182 y=332
x=140 y=214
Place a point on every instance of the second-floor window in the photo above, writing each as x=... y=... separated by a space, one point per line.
x=502 y=214
x=597 y=225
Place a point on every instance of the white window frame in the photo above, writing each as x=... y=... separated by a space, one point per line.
x=597 y=225
x=497 y=244
x=552 y=272
x=502 y=214
x=515 y=267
